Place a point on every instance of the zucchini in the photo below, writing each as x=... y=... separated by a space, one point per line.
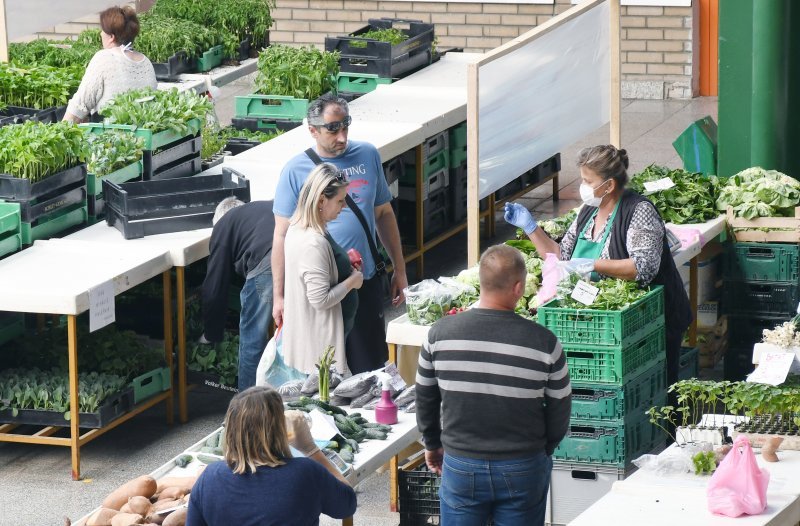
x=375 y=433
x=207 y=459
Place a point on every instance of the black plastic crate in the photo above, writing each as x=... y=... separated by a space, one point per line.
x=458 y=195
x=175 y=65
x=509 y=189
x=419 y=497
x=154 y=161
x=114 y=407
x=745 y=331
x=689 y=364
x=236 y=145
x=186 y=167
x=550 y=166
x=435 y=212
x=393 y=169
x=17 y=189
x=263 y=124
x=382 y=58
x=34 y=209
x=19 y=114
x=759 y=298
x=738 y=362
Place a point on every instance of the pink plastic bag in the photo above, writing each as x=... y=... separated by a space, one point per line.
x=738 y=486
x=551 y=276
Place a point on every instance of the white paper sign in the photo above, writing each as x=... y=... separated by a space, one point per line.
x=585 y=293
x=323 y=427
x=772 y=368
x=659 y=185
x=101 y=306
x=396 y=380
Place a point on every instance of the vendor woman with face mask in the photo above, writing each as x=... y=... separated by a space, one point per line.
x=619 y=234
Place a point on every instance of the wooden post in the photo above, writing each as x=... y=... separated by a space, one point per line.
x=473 y=170
x=168 y=339
x=74 y=424
x=615 y=91
x=183 y=408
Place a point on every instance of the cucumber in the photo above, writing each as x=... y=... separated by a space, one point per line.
x=322 y=405
x=296 y=404
x=355 y=415
x=375 y=433
x=183 y=461
x=353 y=444
x=207 y=459
x=359 y=420
x=333 y=445
x=346 y=425
x=347 y=456
x=346 y=447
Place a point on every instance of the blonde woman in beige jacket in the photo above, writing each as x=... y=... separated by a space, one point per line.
x=312 y=292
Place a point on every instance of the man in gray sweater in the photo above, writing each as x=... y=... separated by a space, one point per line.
x=493 y=402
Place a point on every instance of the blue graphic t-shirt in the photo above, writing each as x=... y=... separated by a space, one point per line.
x=361 y=163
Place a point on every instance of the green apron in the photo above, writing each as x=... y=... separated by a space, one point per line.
x=592 y=249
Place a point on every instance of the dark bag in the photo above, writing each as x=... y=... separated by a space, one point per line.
x=380 y=264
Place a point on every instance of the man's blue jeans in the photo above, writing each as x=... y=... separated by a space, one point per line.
x=512 y=492
x=254 y=321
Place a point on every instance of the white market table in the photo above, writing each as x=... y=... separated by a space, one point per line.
x=55 y=277
x=219 y=76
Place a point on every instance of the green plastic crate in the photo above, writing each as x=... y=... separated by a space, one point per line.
x=152 y=141
x=433 y=164
x=210 y=59
x=49 y=226
x=458 y=135
x=600 y=327
x=271 y=106
x=611 y=444
x=12 y=325
x=9 y=217
x=762 y=262
x=10 y=243
x=151 y=383
x=94 y=185
x=616 y=365
x=458 y=156
x=604 y=402
x=359 y=82
x=689 y=363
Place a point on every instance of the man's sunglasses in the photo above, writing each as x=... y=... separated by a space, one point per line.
x=335 y=126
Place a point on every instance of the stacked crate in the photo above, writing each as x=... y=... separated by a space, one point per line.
x=616 y=363
x=434 y=187
x=268 y=113
x=760 y=291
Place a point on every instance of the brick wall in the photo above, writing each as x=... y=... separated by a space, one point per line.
x=657 y=57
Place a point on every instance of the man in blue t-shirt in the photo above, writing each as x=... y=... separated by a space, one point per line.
x=328 y=122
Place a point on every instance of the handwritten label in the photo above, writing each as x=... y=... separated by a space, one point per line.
x=395 y=380
x=659 y=185
x=772 y=368
x=585 y=293
x=101 y=306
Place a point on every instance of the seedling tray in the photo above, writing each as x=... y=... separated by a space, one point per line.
x=152 y=141
x=263 y=124
x=612 y=444
x=94 y=185
x=616 y=365
x=761 y=298
x=359 y=83
x=19 y=114
x=279 y=107
x=363 y=55
x=210 y=59
x=114 y=407
x=209 y=380
x=20 y=189
x=762 y=262
x=182 y=149
x=236 y=146
x=604 y=328
x=12 y=324
x=602 y=402
x=151 y=383
x=175 y=65
x=52 y=224
x=171 y=197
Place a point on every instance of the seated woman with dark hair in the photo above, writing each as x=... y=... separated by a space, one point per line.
x=260 y=483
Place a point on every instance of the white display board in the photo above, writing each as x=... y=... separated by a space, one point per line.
x=542 y=97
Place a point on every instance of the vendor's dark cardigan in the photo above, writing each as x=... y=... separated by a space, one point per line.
x=677 y=310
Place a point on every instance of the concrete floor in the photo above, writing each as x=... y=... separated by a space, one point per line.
x=35 y=483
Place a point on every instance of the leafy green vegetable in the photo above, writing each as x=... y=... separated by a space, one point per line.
x=38 y=86
x=756 y=192
x=391 y=35
x=35 y=150
x=156 y=110
x=705 y=463
x=214 y=140
x=615 y=294
x=112 y=150
x=58 y=53
x=160 y=37
x=242 y=18
x=221 y=359
x=301 y=72
x=556 y=227
x=691 y=200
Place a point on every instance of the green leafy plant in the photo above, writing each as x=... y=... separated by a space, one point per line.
x=324 y=369
x=301 y=72
x=556 y=227
x=705 y=463
x=35 y=150
x=112 y=150
x=221 y=359
x=38 y=86
x=392 y=35
x=157 y=110
x=58 y=53
x=691 y=200
x=615 y=294
x=160 y=37
x=756 y=192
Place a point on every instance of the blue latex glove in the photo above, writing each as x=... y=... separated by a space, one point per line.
x=582 y=266
x=518 y=215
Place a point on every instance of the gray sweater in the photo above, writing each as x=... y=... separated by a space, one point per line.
x=492 y=385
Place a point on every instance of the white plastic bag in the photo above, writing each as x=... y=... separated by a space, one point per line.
x=272 y=370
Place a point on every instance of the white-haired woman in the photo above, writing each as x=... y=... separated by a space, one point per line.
x=313 y=292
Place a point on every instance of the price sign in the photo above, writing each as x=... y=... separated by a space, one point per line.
x=773 y=367
x=585 y=293
x=659 y=185
x=101 y=306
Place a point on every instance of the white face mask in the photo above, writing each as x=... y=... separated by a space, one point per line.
x=587 y=194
